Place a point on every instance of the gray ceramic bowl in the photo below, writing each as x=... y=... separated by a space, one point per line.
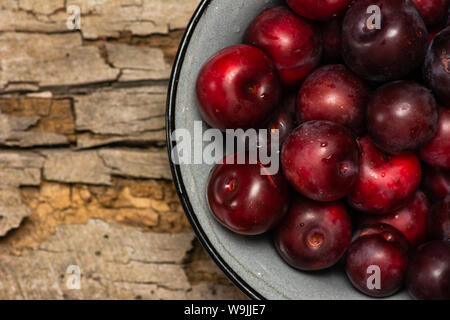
x=252 y=263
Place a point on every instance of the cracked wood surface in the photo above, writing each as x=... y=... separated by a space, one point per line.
x=131 y=112
x=84 y=176
x=100 y=18
x=115 y=261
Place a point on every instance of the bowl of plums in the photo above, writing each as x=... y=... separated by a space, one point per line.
x=309 y=142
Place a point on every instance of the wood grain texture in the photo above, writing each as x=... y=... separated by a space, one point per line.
x=84 y=175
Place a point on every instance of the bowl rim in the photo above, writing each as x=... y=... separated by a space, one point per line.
x=175 y=169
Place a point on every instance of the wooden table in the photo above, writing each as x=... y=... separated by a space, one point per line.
x=87 y=206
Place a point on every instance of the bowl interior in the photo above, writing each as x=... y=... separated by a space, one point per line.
x=252 y=259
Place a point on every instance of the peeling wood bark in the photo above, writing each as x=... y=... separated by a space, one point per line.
x=30 y=122
x=122 y=112
x=51 y=60
x=12 y=209
x=137 y=164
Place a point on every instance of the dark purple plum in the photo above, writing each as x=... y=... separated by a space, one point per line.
x=391 y=52
x=428 y=274
x=381 y=251
x=439 y=220
x=437 y=67
x=402 y=116
x=314 y=235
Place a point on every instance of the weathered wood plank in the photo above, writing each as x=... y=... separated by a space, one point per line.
x=50 y=60
x=116 y=262
x=99 y=18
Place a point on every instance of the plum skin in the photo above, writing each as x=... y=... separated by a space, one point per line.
x=436 y=68
x=389 y=53
x=378 y=245
x=318 y=9
x=238 y=87
x=385 y=183
x=433 y=12
x=436 y=182
x=313 y=235
x=437 y=151
x=439 y=220
x=428 y=274
x=331 y=31
x=284 y=121
x=293 y=44
x=402 y=116
x=320 y=159
x=245 y=201
x=410 y=220
x=334 y=93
